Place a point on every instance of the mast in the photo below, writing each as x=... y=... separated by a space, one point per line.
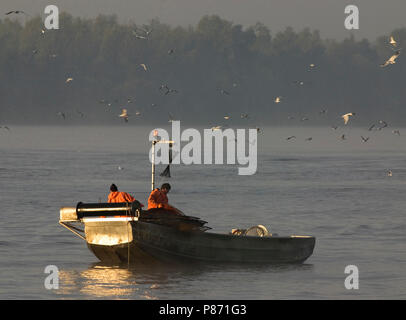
x=154 y=142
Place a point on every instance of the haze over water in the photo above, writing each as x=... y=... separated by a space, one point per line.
x=337 y=190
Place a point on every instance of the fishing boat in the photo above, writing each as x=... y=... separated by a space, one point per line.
x=124 y=233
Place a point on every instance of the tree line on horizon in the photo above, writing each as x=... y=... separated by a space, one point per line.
x=90 y=69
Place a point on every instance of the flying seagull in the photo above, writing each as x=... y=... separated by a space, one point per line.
x=384 y=124
x=16 y=12
x=61 y=114
x=168 y=90
x=365 y=139
x=392 y=41
x=346 y=116
x=291 y=137
x=68 y=80
x=216 y=128
x=392 y=59
x=277 y=99
x=139 y=36
x=298 y=82
x=144 y=66
x=124 y=115
x=171 y=118
x=244 y=116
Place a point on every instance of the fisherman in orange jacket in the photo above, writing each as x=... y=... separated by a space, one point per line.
x=159 y=199
x=116 y=196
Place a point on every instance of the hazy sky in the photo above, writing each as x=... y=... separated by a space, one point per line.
x=377 y=17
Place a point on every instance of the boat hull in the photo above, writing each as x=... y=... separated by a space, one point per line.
x=139 y=241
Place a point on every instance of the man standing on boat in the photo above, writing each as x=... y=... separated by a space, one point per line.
x=116 y=196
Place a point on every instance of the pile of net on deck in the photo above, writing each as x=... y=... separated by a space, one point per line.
x=169 y=218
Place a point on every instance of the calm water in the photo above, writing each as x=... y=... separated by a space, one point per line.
x=336 y=190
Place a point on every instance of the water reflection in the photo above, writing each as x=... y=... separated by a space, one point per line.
x=151 y=282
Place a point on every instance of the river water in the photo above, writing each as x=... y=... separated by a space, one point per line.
x=337 y=190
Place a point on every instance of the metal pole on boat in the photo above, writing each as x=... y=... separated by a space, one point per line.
x=153 y=165
x=170 y=142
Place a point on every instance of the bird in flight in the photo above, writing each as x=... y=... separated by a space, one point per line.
x=291 y=137
x=396 y=132
x=244 y=116
x=216 y=128
x=347 y=116
x=391 y=60
x=144 y=66
x=224 y=92
x=138 y=36
x=277 y=99
x=392 y=41
x=68 y=80
x=364 y=139
x=16 y=12
x=384 y=124
x=168 y=90
x=124 y=115
x=61 y=114
x=299 y=82
x=171 y=118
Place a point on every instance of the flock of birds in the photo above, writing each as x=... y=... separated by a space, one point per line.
x=143 y=34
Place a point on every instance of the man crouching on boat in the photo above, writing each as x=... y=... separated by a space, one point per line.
x=159 y=199
x=116 y=196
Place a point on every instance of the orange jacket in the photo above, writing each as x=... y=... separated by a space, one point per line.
x=119 y=196
x=157 y=199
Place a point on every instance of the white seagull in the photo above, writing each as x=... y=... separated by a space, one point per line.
x=216 y=128
x=124 y=115
x=346 y=116
x=392 y=41
x=391 y=60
